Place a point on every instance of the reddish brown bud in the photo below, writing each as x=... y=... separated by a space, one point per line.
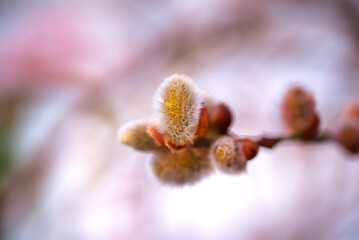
x=203 y=123
x=249 y=148
x=222 y=117
x=173 y=147
x=156 y=135
x=347 y=131
x=298 y=113
x=348 y=136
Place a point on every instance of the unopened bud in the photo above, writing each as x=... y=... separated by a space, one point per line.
x=222 y=117
x=219 y=114
x=298 y=113
x=347 y=131
x=249 y=148
x=185 y=167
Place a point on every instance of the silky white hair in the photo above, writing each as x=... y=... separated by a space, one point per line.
x=178 y=102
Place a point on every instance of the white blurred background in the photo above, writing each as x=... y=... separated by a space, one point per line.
x=72 y=72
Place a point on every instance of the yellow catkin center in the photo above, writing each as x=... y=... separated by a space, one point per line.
x=175 y=101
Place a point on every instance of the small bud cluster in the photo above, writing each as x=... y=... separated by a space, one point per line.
x=190 y=137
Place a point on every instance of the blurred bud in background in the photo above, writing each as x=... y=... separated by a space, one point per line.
x=347 y=129
x=298 y=111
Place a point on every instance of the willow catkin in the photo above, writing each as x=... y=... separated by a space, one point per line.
x=134 y=133
x=185 y=167
x=178 y=104
x=228 y=156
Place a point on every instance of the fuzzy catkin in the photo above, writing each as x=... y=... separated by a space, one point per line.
x=228 y=155
x=178 y=104
x=134 y=133
x=186 y=167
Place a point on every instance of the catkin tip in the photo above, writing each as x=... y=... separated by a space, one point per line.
x=134 y=133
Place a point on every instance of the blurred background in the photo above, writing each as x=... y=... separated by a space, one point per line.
x=72 y=72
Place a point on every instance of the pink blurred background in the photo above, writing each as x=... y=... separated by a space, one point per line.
x=72 y=72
